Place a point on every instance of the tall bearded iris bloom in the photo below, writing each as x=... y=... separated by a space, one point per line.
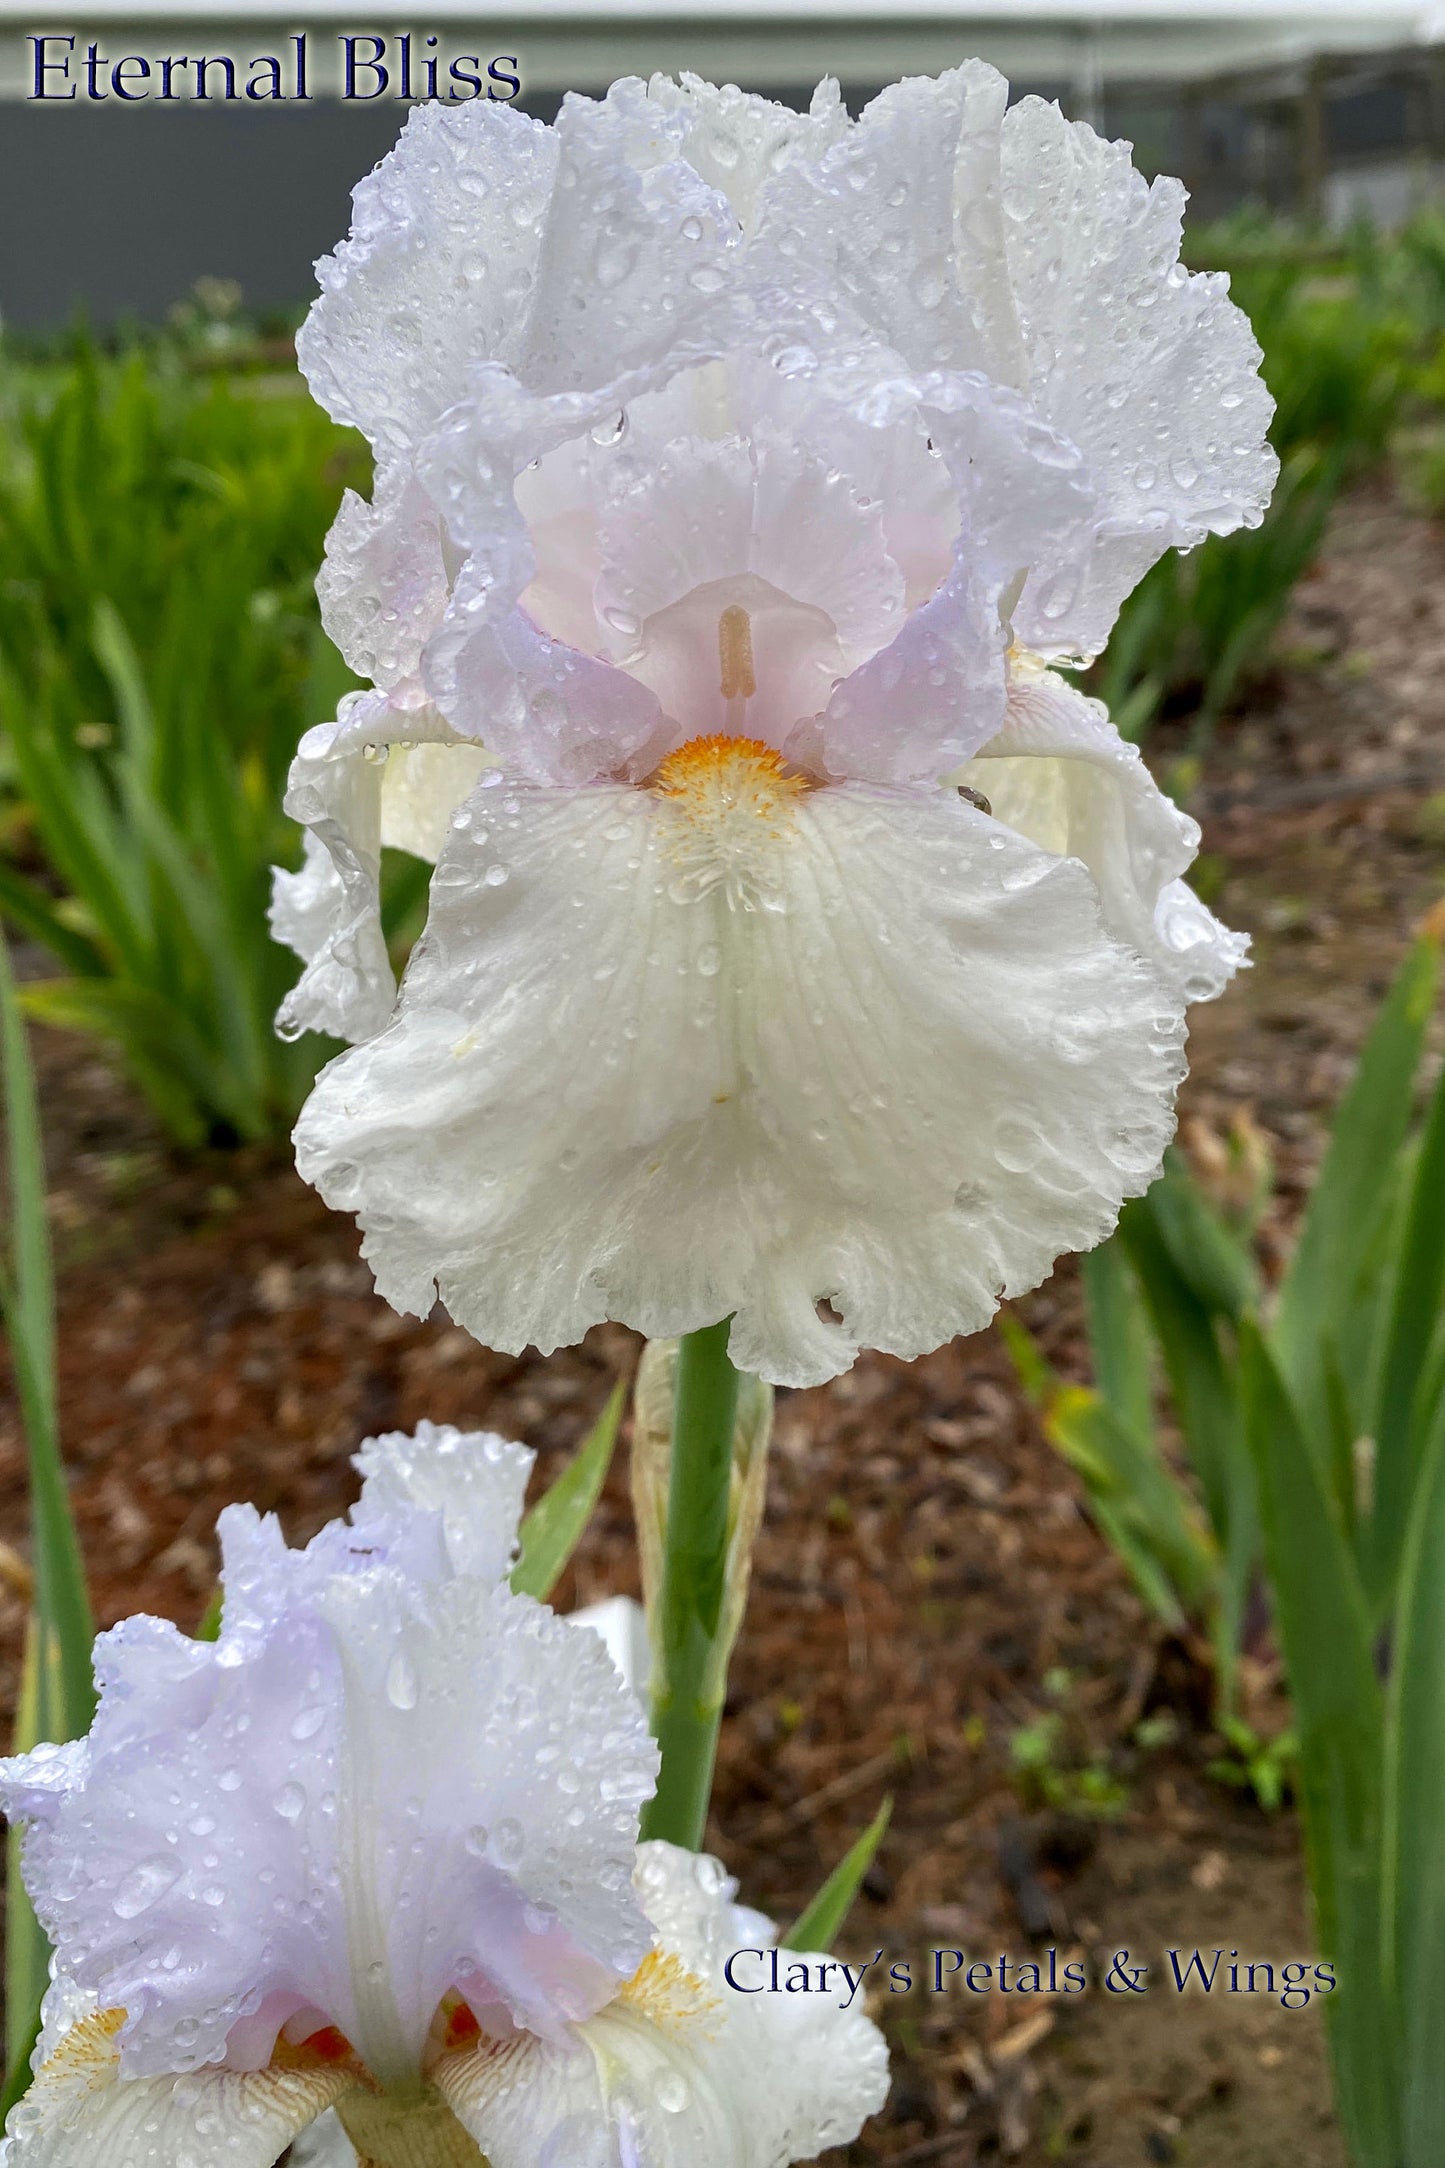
x=801 y=947
x=374 y=1851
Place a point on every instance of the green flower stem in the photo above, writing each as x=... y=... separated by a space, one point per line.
x=687 y=1701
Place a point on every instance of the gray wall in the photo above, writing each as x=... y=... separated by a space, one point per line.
x=121 y=211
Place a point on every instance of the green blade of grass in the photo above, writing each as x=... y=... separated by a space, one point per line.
x=27 y=1952
x=189 y=897
x=1324 y=1627
x=1205 y=1392
x=17 y=2068
x=117 y=658
x=551 y=1531
x=1143 y=1511
x=1214 y=1263
x=1139 y=1504
x=78 y=827
x=29 y=1307
x=1200 y=1379
x=1352 y=1187
x=1412 y=1319
x=57 y=1696
x=29 y=908
x=155 y=1035
x=1414 y=1879
x=819 y=1924
x=1119 y=1336
x=185 y=894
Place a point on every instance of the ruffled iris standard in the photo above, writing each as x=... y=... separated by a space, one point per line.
x=801 y=948
x=374 y=1852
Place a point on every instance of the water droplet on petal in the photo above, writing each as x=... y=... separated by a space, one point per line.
x=796 y=361
x=144 y=1886
x=508 y=1843
x=402 y=1685
x=709 y=1874
x=673 y=2091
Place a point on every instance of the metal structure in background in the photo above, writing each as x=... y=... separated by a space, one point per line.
x=1316 y=108
x=1325 y=138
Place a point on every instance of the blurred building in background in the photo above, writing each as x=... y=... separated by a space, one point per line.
x=1319 y=109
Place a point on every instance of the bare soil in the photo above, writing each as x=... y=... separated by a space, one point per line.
x=928 y=1581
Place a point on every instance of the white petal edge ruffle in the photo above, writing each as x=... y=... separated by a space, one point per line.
x=381 y=775
x=903 y=1081
x=682 y=2070
x=1023 y=245
x=568 y=253
x=1059 y=773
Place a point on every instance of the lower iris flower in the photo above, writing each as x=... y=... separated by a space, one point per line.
x=374 y=1852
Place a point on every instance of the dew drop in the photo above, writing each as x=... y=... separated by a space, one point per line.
x=144 y=1886
x=290 y=1802
x=709 y=1874
x=508 y=1843
x=401 y=1681
x=673 y=2092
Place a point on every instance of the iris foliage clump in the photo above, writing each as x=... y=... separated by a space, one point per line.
x=159 y=655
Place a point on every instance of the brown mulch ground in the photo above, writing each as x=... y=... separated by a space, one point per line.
x=927 y=1582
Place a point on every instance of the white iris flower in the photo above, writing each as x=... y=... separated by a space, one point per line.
x=801 y=947
x=375 y=1851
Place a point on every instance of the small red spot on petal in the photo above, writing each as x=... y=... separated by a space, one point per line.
x=329 y=2045
x=462 y=2027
